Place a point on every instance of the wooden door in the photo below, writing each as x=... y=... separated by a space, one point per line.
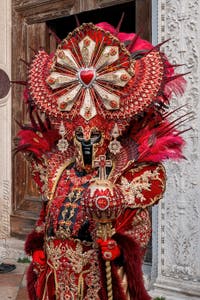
x=31 y=20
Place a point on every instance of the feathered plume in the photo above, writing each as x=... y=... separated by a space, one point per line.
x=38 y=137
x=157 y=138
x=133 y=40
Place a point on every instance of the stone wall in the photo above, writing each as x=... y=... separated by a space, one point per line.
x=178 y=219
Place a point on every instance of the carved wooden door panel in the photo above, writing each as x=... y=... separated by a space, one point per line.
x=26 y=201
x=30 y=30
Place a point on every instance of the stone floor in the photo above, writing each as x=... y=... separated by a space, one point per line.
x=13 y=284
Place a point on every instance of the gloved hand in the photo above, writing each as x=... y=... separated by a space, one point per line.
x=39 y=257
x=109 y=249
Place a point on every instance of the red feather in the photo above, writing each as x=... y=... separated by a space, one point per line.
x=138 y=43
x=158 y=141
x=36 y=142
x=132 y=263
x=37 y=138
x=34 y=241
x=175 y=85
x=163 y=148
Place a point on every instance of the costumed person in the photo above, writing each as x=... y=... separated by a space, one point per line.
x=99 y=132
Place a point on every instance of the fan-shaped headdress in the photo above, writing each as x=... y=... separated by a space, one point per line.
x=93 y=73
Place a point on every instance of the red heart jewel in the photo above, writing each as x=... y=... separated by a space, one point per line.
x=87 y=76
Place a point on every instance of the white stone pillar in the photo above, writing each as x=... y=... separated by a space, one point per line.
x=5 y=127
x=178 y=273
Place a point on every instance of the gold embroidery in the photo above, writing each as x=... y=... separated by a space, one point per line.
x=81 y=285
x=135 y=188
x=68 y=212
x=139 y=184
x=58 y=176
x=80 y=270
x=141 y=227
x=78 y=258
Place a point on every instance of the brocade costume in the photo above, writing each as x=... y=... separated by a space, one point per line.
x=96 y=157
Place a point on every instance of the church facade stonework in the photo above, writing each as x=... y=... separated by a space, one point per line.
x=176 y=221
x=178 y=261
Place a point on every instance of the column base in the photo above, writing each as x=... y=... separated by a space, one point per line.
x=11 y=249
x=175 y=289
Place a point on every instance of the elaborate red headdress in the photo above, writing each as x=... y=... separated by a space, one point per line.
x=93 y=73
x=101 y=78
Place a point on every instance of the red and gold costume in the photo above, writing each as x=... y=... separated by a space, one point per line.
x=96 y=156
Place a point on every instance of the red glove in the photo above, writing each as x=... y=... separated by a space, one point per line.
x=109 y=249
x=39 y=257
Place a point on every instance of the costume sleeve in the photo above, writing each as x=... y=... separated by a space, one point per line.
x=136 y=224
x=143 y=186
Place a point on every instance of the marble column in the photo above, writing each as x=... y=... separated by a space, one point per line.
x=178 y=215
x=5 y=127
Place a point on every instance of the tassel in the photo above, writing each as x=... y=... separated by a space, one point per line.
x=62 y=143
x=115 y=146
